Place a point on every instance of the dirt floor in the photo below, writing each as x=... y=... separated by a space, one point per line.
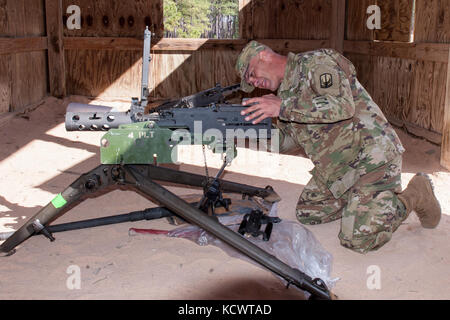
x=38 y=159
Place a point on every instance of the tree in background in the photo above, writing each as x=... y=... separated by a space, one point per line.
x=172 y=17
x=223 y=16
x=201 y=18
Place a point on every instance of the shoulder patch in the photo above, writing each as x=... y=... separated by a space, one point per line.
x=325 y=80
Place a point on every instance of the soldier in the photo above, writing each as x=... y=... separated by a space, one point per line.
x=322 y=108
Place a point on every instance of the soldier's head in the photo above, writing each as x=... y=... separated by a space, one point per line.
x=259 y=66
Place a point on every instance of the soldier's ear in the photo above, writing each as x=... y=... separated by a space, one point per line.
x=266 y=55
x=263 y=55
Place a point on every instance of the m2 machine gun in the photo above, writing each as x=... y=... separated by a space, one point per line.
x=137 y=140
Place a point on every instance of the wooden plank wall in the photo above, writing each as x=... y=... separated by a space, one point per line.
x=111 y=73
x=432 y=21
x=410 y=92
x=116 y=73
x=23 y=71
x=290 y=19
x=396 y=20
x=407 y=79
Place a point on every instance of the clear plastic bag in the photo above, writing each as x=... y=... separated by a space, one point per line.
x=290 y=242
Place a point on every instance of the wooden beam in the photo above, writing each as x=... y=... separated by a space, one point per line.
x=337 y=32
x=295 y=45
x=436 y=52
x=16 y=45
x=445 y=147
x=171 y=44
x=56 y=64
x=103 y=43
x=414 y=129
x=174 y=44
x=133 y=44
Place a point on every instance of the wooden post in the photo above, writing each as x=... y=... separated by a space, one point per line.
x=445 y=147
x=337 y=32
x=56 y=64
x=246 y=19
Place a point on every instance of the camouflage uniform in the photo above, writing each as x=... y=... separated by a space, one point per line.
x=355 y=151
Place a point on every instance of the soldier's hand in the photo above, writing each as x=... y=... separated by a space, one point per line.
x=264 y=107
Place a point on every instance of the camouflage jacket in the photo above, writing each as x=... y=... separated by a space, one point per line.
x=329 y=113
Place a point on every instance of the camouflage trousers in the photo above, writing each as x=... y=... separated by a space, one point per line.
x=370 y=211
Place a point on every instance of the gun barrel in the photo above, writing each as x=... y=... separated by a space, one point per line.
x=84 y=117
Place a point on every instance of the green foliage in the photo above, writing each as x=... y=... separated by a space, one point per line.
x=224 y=7
x=201 y=18
x=171 y=15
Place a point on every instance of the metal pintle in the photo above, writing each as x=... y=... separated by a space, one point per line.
x=146 y=58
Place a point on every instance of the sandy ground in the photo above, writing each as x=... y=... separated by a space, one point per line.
x=38 y=159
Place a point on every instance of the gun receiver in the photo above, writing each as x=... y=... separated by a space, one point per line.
x=136 y=137
x=203 y=105
x=205 y=98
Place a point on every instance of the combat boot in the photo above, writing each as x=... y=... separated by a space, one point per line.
x=419 y=196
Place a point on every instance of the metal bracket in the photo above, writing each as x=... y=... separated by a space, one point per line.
x=39 y=228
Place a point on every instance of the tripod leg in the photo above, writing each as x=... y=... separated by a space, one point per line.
x=89 y=185
x=156 y=192
x=192 y=179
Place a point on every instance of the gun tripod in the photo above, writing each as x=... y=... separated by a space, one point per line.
x=140 y=178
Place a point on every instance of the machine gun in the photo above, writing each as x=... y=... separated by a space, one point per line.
x=136 y=136
x=136 y=140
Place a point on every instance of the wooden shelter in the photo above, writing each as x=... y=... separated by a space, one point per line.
x=40 y=56
x=405 y=66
